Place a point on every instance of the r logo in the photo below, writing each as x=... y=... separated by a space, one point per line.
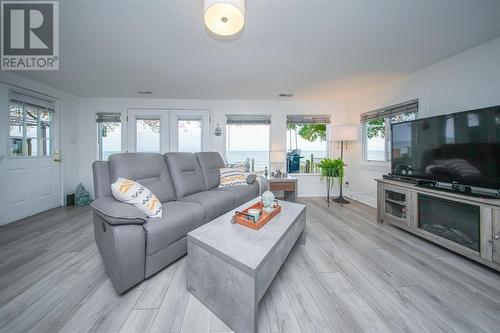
x=30 y=34
x=28 y=29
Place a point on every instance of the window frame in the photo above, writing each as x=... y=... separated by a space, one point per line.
x=99 y=131
x=310 y=119
x=387 y=143
x=250 y=116
x=387 y=137
x=327 y=143
x=43 y=105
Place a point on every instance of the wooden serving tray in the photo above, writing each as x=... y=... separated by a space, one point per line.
x=263 y=219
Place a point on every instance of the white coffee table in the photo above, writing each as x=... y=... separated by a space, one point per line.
x=231 y=266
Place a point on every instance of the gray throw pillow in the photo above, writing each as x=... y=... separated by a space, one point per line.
x=251 y=179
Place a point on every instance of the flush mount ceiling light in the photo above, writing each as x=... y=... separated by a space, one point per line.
x=225 y=17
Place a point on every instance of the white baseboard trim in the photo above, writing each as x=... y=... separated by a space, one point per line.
x=367 y=200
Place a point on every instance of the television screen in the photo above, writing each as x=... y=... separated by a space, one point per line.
x=462 y=147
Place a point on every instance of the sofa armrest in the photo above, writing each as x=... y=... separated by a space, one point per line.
x=116 y=213
x=263 y=184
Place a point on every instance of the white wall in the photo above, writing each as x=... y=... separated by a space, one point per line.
x=69 y=120
x=308 y=185
x=466 y=81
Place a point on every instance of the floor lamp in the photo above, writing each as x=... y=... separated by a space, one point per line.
x=344 y=133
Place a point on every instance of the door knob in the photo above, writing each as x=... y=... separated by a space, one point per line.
x=57 y=156
x=496 y=237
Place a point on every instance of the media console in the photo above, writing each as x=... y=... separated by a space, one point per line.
x=468 y=225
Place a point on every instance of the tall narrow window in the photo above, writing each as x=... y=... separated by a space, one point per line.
x=247 y=141
x=148 y=134
x=306 y=142
x=377 y=127
x=109 y=134
x=189 y=135
x=31 y=121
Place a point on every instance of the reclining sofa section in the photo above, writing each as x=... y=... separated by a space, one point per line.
x=134 y=247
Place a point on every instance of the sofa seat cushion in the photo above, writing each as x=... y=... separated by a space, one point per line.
x=177 y=220
x=241 y=193
x=215 y=203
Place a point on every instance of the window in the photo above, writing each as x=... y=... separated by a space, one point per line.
x=377 y=126
x=31 y=123
x=306 y=142
x=147 y=134
x=189 y=135
x=109 y=134
x=247 y=141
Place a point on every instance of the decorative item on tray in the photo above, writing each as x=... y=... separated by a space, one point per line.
x=268 y=201
x=255 y=216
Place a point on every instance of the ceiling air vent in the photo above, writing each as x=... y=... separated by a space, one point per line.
x=144 y=92
x=287 y=95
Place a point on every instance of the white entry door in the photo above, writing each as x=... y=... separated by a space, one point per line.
x=148 y=130
x=30 y=175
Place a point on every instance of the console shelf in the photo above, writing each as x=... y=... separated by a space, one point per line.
x=466 y=225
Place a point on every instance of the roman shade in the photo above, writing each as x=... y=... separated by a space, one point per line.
x=102 y=117
x=391 y=111
x=238 y=119
x=37 y=102
x=307 y=119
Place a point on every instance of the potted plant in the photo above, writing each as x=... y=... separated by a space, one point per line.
x=331 y=168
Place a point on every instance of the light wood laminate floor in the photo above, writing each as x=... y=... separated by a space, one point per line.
x=354 y=275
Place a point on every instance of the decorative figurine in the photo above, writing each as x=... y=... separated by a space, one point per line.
x=268 y=201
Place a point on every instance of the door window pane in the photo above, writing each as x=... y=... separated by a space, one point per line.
x=32 y=147
x=31 y=122
x=247 y=145
x=189 y=135
x=148 y=135
x=16 y=147
x=30 y=126
x=16 y=120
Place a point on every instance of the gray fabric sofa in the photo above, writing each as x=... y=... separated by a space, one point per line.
x=134 y=247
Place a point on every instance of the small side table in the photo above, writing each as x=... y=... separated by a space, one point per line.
x=286 y=184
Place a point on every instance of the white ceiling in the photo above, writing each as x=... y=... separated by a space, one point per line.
x=316 y=49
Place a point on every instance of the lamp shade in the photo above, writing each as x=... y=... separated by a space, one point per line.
x=277 y=157
x=224 y=17
x=348 y=132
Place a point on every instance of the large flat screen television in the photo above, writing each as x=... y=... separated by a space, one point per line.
x=461 y=148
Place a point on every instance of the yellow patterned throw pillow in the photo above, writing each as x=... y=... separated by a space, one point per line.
x=133 y=193
x=232 y=177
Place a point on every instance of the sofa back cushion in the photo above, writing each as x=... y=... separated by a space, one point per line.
x=148 y=169
x=186 y=173
x=210 y=163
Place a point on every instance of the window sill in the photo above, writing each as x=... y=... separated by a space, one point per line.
x=304 y=174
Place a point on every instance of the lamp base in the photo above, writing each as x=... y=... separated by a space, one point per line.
x=341 y=200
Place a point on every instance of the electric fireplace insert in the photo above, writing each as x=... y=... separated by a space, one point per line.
x=455 y=221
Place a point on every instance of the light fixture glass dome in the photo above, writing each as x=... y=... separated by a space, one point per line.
x=225 y=17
